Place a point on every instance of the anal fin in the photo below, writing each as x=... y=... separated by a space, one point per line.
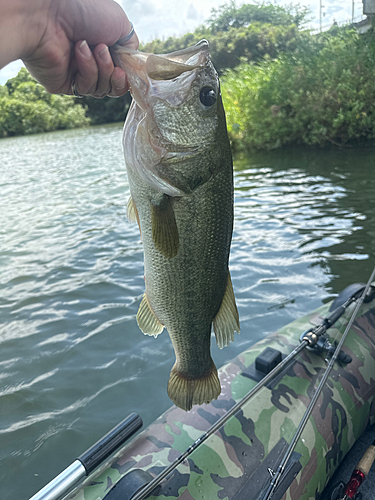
x=227 y=321
x=186 y=392
x=164 y=228
x=146 y=319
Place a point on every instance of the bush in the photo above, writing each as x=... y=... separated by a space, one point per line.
x=27 y=108
x=245 y=34
x=322 y=93
x=106 y=110
x=229 y=16
x=229 y=48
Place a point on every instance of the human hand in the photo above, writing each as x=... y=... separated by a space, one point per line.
x=73 y=48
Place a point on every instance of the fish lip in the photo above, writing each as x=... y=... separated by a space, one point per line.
x=181 y=56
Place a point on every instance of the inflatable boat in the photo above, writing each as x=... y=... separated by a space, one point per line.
x=291 y=408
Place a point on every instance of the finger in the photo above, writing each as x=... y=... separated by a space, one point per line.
x=86 y=78
x=119 y=83
x=133 y=42
x=105 y=69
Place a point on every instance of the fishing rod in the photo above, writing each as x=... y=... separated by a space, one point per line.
x=308 y=339
x=276 y=476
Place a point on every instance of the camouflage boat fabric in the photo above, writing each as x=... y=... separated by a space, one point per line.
x=233 y=462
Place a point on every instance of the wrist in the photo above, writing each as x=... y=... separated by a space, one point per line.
x=22 y=23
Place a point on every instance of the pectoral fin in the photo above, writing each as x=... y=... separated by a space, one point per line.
x=146 y=319
x=227 y=321
x=164 y=228
x=132 y=211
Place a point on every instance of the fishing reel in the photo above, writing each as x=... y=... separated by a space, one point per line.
x=317 y=337
x=323 y=345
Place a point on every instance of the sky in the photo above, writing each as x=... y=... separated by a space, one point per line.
x=163 y=18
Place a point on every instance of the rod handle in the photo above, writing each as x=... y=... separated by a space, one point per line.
x=103 y=448
x=334 y=316
x=365 y=464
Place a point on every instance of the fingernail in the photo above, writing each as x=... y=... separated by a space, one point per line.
x=105 y=56
x=120 y=83
x=85 y=49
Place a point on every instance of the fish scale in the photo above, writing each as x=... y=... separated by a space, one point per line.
x=182 y=129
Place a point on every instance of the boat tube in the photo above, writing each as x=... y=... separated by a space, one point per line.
x=238 y=460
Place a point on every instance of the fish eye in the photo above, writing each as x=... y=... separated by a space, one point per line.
x=207 y=96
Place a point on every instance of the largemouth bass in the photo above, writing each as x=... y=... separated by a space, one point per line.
x=180 y=173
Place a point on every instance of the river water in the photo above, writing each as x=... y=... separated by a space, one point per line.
x=73 y=362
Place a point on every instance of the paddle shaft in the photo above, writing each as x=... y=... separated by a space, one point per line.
x=88 y=461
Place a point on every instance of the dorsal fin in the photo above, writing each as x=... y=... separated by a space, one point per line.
x=227 y=321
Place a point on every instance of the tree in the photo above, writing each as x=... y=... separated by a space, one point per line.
x=249 y=33
x=228 y=16
x=106 y=110
x=27 y=108
x=22 y=77
x=321 y=94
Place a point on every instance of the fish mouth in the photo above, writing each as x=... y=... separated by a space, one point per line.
x=162 y=66
x=154 y=78
x=154 y=75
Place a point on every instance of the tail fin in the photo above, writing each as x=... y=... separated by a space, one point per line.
x=186 y=392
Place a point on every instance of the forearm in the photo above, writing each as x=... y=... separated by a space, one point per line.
x=22 y=23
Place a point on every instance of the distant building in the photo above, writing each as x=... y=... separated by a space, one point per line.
x=368 y=7
x=369 y=11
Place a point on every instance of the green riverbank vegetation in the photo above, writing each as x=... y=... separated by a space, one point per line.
x=281 y=84
x=27 y=108
x=248 y=33
x=323 y=93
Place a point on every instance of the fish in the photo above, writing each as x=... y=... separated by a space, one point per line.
x=180 y=171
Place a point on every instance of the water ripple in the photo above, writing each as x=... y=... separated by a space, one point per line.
x=73 y=362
